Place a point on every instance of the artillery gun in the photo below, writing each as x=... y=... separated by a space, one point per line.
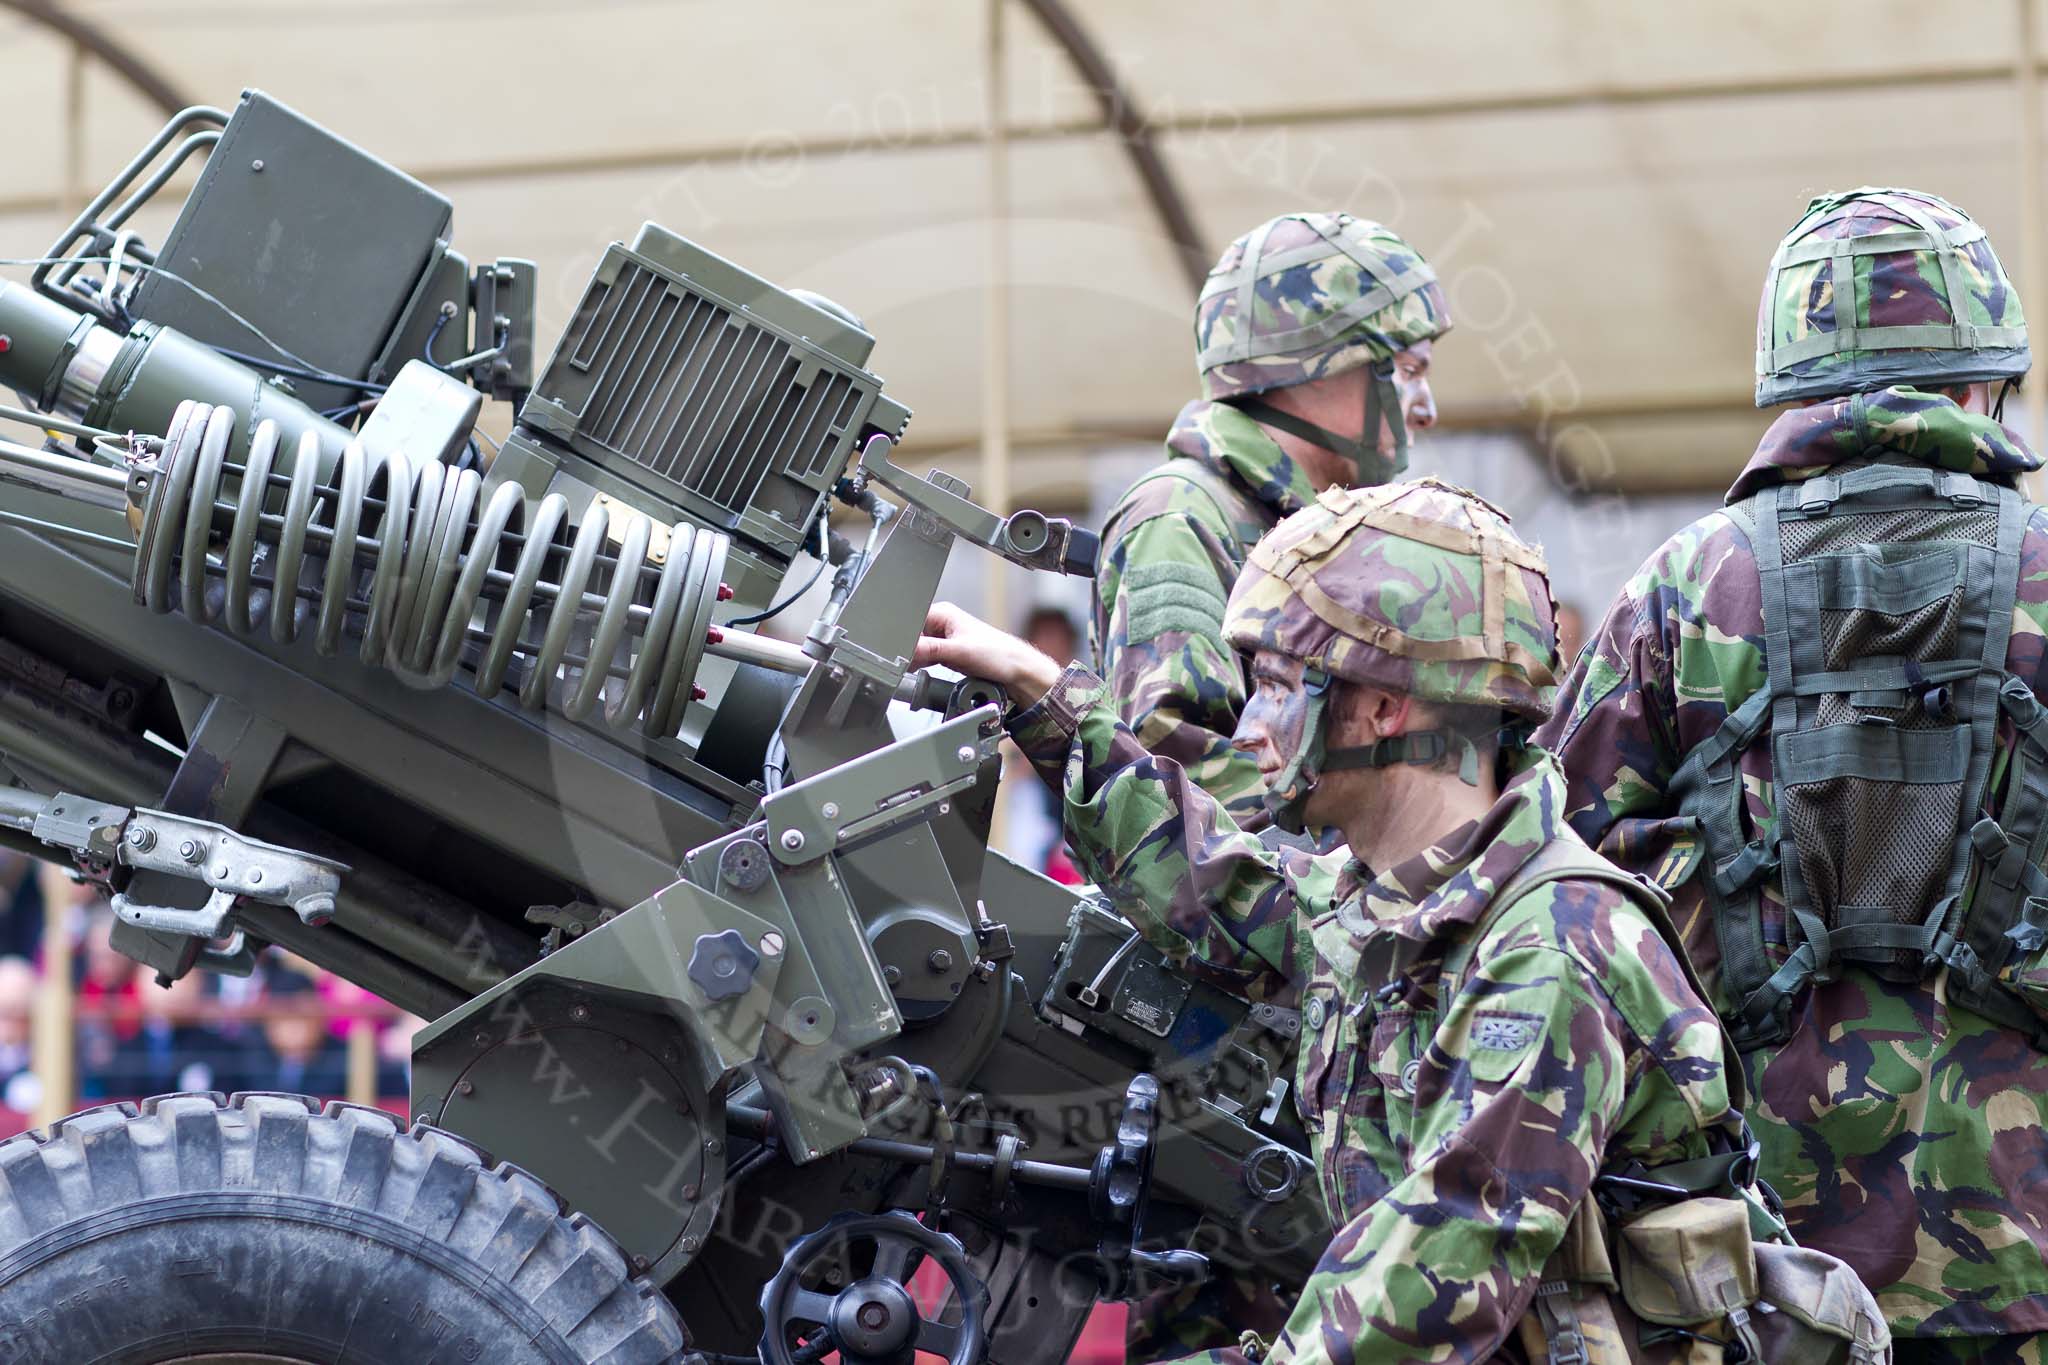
x=737 y=1025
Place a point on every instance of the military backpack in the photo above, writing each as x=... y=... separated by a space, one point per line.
x=1887 y=594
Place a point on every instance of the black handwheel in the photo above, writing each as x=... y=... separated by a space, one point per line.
x=874 y=1320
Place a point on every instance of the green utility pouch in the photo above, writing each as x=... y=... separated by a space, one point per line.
x=1814 y=1308
x=1687 y=1282
x=1688 y=1263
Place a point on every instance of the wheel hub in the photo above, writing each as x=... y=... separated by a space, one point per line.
x=874 y=1318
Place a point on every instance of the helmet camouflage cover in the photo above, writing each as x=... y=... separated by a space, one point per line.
x=1927 y=302
x=1420 y=588
x=1308 y=295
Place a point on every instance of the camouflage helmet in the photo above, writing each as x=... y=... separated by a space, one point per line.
x=1308 y=295
x=1420 y=588
x=1929 y=303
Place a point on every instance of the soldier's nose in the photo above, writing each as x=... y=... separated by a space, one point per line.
x=1422 y=406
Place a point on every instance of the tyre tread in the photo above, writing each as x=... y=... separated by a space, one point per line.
x=426 y=1179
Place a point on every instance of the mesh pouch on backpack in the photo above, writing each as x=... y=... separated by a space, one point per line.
x=1887 y=595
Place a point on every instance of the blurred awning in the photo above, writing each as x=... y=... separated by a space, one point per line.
x=1600 y=183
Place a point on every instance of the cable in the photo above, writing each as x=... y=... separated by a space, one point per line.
x=308 y=369
x=758 y=617
x=434 y=335
x=316 y=376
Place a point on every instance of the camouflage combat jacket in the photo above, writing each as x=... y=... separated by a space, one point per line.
x=1452 y=1150
x=1171 y=551
x=1906 y=1136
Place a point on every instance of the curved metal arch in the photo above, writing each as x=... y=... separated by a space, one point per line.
x=1122 y=114
x=146 y=79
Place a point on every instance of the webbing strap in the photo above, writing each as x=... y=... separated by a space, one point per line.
x=1559 y=1318
x=1566 y=859
x=2008 y=900
x=1884 y=675
x=1708 y=788
x=1783 y=653
x=1363 y=450
x=1816 y=496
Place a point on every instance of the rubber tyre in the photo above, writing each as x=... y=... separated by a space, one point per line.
x=268 y=1225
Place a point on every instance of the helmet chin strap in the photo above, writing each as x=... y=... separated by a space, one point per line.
x=1420 y=747
x=1382 y=401
x=1287 y=794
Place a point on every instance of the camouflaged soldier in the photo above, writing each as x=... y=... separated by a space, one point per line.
x=1813 y=715
x=1517 y=1099
x=1313 y=338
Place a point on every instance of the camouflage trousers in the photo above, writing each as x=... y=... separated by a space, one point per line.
x=1173 y=1323
x=2024 y=1350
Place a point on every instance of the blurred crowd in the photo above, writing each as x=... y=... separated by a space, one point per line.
x=288 y=1026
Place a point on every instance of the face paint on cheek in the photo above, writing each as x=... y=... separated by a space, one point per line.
x=1282 y=717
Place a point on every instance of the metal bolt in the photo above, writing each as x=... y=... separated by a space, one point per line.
x=771 y=944
x=255 y=876
x=142 y=838
x=483 y=1040
x=792 y=839
x=967 y=753
x=690 y=1244
x=830 y=810
x=945 y=807
x=220 y=872
x=190 y=851
x=465 y=1088
x=580 y=1013
x=257 y=165
x=714 y=1147
x=893 y=974
x=689 y=1191
x=640 y=1264
x=940 y=960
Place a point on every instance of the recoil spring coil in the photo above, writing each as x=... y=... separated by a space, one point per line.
x=401 y=557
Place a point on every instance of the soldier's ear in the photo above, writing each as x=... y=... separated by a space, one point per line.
x=1373 y=713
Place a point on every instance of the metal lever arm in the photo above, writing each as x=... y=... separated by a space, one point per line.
x=1024 y=537
x=104 y=838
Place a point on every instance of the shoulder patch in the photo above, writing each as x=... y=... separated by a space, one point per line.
x=1502 y=1033
x=1166 y=595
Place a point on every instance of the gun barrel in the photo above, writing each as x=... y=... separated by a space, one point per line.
x=80 y=480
